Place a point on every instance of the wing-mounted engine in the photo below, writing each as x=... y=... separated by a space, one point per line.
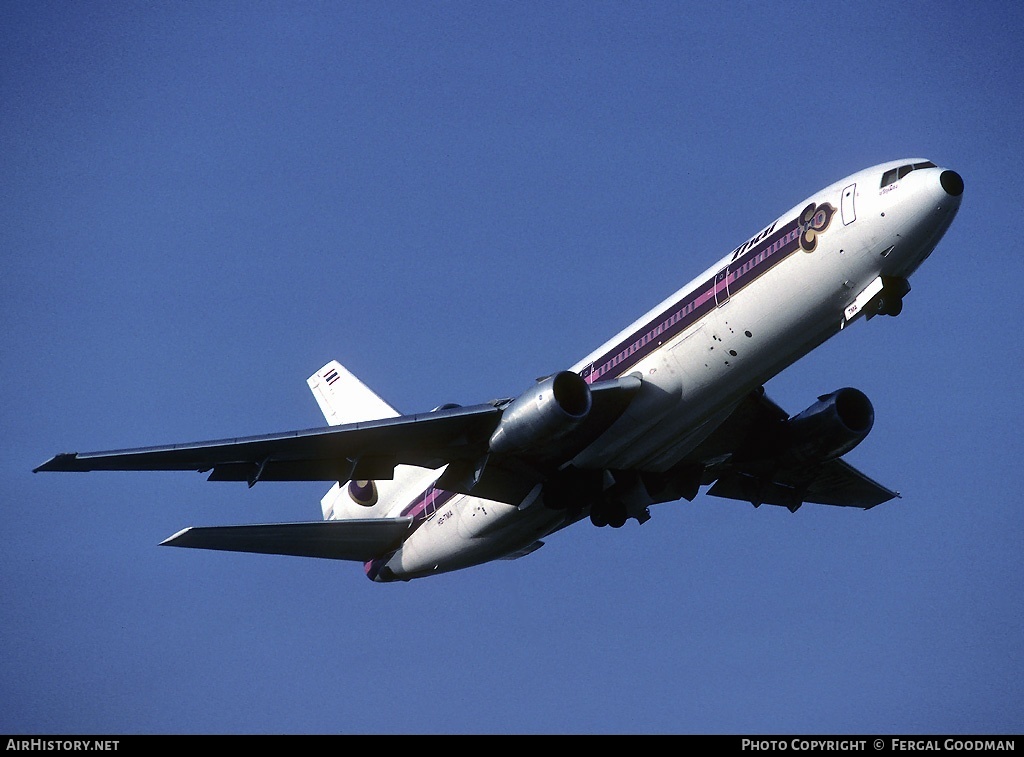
x=828 y=429
x=789 y=461
x=537 y=434
x=546 y=412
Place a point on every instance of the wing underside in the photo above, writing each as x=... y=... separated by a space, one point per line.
x=832 y=483
x=334 y=453
x=456 y=437
x=770 y=481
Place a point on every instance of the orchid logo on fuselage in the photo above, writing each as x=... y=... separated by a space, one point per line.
x=813 y=221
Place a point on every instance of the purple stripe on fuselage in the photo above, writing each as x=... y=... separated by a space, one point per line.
x=420 y=510
x=426 y=504
x=739 y=273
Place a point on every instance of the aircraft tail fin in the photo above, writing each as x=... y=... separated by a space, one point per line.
x=343 y=398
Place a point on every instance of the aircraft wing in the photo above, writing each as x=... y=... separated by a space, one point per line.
x=833 y=483
x=738 y=474
x=359 y=540
x=454 y=436
x=333 y=453
x=458 y=437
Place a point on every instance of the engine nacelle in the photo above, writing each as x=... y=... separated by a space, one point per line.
x=829 y=428
x=544 y=413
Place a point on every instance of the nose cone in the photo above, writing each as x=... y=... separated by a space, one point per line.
x=926 y=211
x=952 y=183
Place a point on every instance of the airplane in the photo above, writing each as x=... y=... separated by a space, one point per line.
x=672 y=403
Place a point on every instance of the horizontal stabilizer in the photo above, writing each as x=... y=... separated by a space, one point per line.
x=358 y=540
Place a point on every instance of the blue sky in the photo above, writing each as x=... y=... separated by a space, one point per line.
x=205 y=202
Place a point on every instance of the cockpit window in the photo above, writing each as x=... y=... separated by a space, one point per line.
x=895 y=174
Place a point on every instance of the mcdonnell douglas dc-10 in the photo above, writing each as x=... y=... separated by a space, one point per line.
x=671 y=403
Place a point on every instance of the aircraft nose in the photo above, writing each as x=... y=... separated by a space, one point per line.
x=952 y=183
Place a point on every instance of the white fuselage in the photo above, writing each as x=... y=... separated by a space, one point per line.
x=754 y=312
